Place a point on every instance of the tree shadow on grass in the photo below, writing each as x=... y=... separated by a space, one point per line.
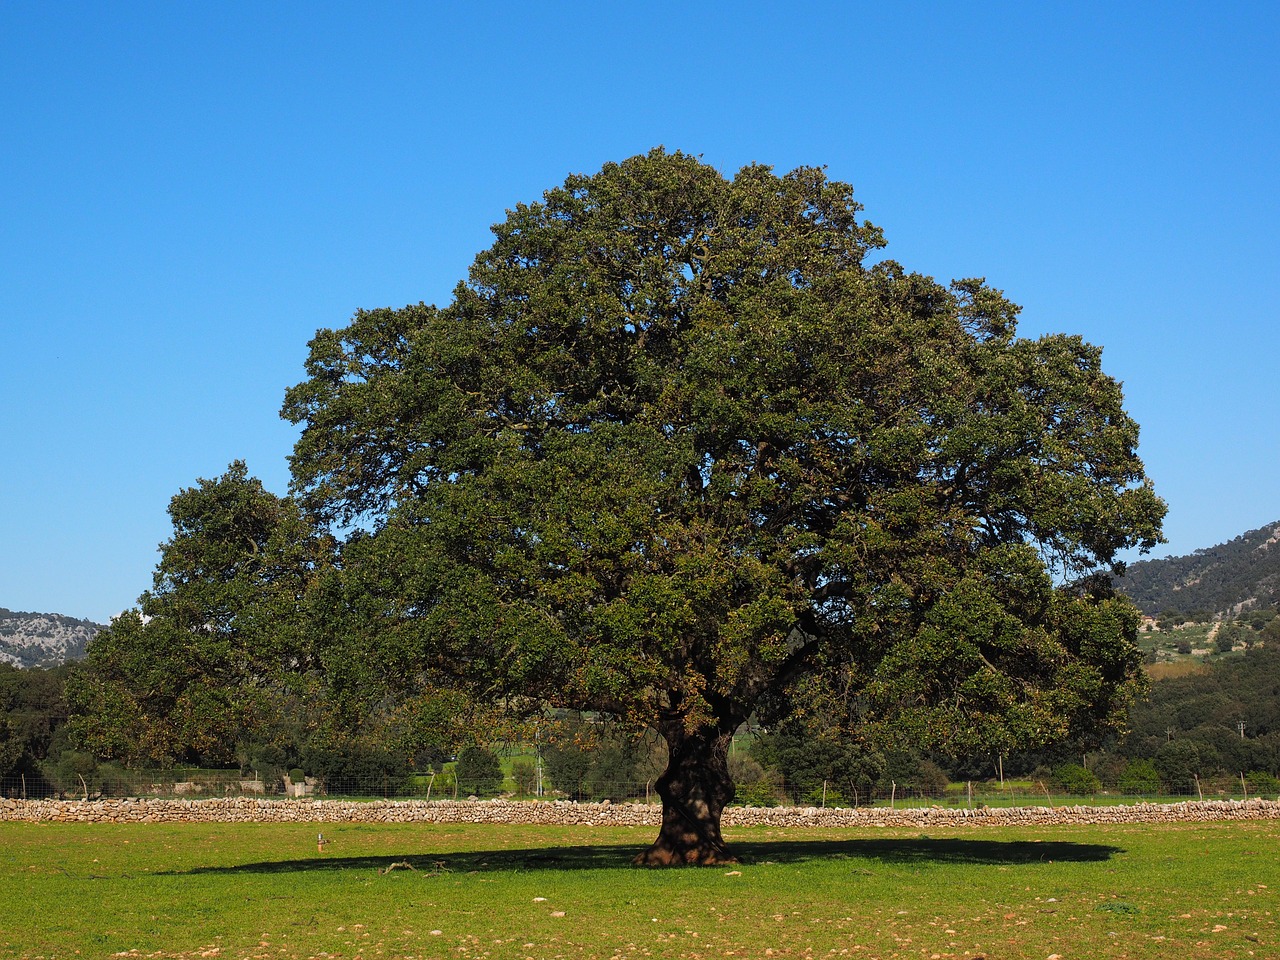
x=917 y=851
x=921 y=850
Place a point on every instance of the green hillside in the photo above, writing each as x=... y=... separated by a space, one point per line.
x=1228 y=578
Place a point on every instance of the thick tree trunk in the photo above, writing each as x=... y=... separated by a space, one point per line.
x=694 y=789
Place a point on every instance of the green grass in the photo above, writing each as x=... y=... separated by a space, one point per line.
x=250 y=890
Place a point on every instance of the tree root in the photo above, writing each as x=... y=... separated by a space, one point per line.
x=401 y=865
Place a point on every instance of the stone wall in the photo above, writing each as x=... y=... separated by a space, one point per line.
x=565 y=813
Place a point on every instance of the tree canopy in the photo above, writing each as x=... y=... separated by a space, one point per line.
x=684 y=448
x=222 y=631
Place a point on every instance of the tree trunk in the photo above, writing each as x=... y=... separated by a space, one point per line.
x=694 y=789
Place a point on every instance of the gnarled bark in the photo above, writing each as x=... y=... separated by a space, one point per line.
x=694 y=789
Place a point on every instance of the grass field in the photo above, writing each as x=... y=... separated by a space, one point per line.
x=264 y=891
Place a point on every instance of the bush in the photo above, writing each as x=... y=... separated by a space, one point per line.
x=356 y=768
x=525 y=774
x=930 y=780
x=479 y=773
x=73 y=772
x=754 y=786
x=1074 y=779
x=613 y=774
x=1179 y=762
x=1140 y=778
x=805 y=759
x=1261 y=783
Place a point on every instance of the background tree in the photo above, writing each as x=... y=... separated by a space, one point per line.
x=221 y=634
x=12 y=747
x=568 y=766
x=815 y=762
x=478 y=772
x=33 y=711
x=680 y=450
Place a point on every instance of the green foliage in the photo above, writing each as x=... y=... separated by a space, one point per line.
x=33 y=712
x=524 y=773
x=1262 y=783
x=1207 y=709
x=218 y=640
x=1140 y=778
x=679 y=451
x=1076 y=780
x=807 y=759
x=12 y=747
x=595 y=762
x=568 y=766
x=1213 y=580
x=754 y=785
x=1180 y=762
x=478 y=772
x=76 y=773
x=352 y=766
x=930 y=780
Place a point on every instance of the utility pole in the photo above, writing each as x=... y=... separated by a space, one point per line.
x=1240 y=727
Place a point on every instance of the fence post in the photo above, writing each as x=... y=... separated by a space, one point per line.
x=1046 y=794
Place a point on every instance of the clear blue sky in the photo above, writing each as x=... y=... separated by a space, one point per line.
x=188 y=191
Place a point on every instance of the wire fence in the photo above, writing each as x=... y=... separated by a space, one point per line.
x=199 y=784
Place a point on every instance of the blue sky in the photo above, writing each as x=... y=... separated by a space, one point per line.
x=190 y=191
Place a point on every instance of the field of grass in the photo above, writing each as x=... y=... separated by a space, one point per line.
x=265 y=891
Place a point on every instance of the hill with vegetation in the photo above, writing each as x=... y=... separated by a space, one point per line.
x=1227 y=579
x=43 y=639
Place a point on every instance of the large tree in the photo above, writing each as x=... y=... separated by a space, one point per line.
x=682 y=448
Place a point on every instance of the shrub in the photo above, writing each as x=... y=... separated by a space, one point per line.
x=1261 y=783
x=804 y=759
x=1074 y=779
x=1140 y=778
x=356 y=768
x=930 y=780
x=525 y=774
x=1179 y=762
x=754 y=786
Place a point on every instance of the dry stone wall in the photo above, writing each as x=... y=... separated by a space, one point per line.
x=564 y=813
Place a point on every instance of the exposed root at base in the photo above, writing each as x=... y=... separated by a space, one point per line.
x=692 y=857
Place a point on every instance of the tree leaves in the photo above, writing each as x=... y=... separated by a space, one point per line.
x=676 y=450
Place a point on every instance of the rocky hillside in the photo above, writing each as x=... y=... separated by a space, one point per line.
x=42 y=639
x=1224 y=579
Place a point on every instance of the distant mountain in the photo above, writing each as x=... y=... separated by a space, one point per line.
x=43 y=639
x=1227 y=578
